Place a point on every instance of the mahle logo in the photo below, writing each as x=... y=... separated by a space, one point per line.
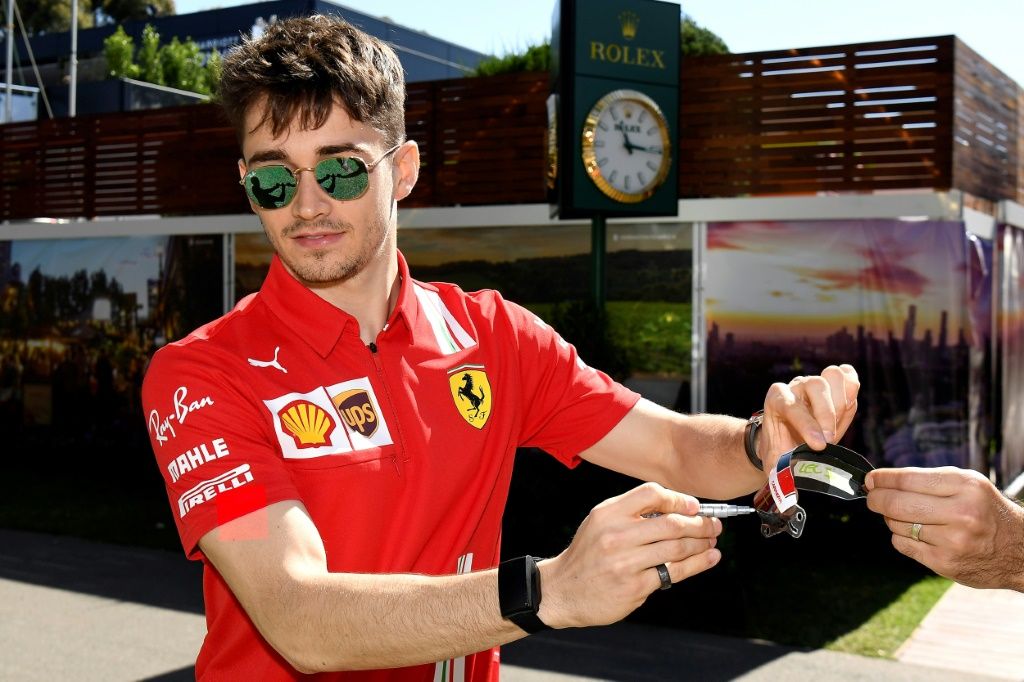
x=356 y=409
x=471 y=392
x=307 y=423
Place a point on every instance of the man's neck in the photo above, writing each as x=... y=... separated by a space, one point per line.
x=369 y=296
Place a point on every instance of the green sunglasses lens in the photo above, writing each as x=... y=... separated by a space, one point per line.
x=270 y=186
x=342 y=177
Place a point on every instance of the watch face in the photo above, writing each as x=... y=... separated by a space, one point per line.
x=626 y=148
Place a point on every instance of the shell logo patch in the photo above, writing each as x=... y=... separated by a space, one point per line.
x=329 y=420
x=356 y=409
x=308 y=423
x=471 y=393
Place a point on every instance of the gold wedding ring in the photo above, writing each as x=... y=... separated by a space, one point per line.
x=915 y=532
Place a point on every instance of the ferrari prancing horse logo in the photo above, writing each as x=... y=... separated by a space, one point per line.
x=472 y=393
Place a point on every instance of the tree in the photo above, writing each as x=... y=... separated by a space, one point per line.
x=51 y=16
x=697 y=41
x=128 y=10
x=118 y=48
x=534 y=58
x=151 y=68
x=182 y=64
x=211 y=74
x=694 y=41
x=177 y=64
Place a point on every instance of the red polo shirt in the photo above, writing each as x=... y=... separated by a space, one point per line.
x=401 y=451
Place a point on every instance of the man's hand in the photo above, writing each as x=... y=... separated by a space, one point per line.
x=609 y=568
x=815 y=410
x=968 y=532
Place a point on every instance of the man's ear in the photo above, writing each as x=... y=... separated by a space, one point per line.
x=407 y=165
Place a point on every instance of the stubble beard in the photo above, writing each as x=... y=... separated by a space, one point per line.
x=331 y=265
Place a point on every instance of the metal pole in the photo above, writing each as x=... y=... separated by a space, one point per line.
x=698 y=335
x=229 y=272
x=9 y=92
x=73 y=89
x=598 y=240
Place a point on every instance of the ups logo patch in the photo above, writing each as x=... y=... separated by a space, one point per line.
x=357 y=410
x=471 y=393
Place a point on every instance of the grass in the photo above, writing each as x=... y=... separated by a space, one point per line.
x=883 y=633
x=655 y=335
x=840 y=586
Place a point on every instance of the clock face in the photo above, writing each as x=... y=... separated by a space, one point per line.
x=626 y=149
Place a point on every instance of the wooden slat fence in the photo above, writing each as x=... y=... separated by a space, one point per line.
x=907 y=114
x=986 y=130
x=844 y=118
x=174 y=161
x=481 y=139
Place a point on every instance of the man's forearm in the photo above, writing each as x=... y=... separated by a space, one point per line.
x=1016 y=559
x=318 y=620
x=348 y=621
x=710 y=459
x=275 y=564
x=701 y=455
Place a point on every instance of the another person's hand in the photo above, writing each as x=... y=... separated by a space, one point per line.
x=815 y=410
x=609 y=569
x=954 y=521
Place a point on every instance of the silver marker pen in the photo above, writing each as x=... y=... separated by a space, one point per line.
x=722 y=511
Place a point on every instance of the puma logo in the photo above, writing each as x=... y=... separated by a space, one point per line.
x=269 y=363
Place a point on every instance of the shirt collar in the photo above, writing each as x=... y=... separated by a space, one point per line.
x=406 y=306
x=317 y=322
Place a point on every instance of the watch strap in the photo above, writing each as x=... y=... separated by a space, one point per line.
x=519 y=593
x=750 y=439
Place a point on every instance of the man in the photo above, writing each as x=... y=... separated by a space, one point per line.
x=954 y=521
x=321 y=450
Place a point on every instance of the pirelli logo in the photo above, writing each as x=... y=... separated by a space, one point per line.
x=207 y=490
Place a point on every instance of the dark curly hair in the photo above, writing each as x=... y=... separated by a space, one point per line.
x=303 y=66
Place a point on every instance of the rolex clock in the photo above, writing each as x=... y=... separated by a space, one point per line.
x=626 y=150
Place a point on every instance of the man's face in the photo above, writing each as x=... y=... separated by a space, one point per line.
x=322 y=240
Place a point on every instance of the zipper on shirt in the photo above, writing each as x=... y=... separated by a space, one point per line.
x=373 y=348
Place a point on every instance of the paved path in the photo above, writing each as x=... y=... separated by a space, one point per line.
x=76 y=610
x=976 y=631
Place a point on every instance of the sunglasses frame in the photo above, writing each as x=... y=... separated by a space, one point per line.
x=296 y=171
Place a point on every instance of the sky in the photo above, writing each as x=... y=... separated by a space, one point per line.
x=993 y=28
x=130 y=261
x=865 y=273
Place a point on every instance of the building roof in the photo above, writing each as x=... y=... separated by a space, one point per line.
x=424 y=57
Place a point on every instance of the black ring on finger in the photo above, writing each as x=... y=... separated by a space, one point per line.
x=664 y=577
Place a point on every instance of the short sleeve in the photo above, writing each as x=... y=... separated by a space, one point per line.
x=211 y=442
x=567 y=406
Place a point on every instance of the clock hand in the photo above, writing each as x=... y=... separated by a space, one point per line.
x=629 y=145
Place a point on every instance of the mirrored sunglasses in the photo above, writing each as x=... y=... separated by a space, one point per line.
x=343 y=178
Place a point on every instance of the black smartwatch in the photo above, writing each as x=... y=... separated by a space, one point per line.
x=519 y=593
x=750 y=439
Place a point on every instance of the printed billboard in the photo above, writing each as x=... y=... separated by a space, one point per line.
x=80 y=318
x=906 y=302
